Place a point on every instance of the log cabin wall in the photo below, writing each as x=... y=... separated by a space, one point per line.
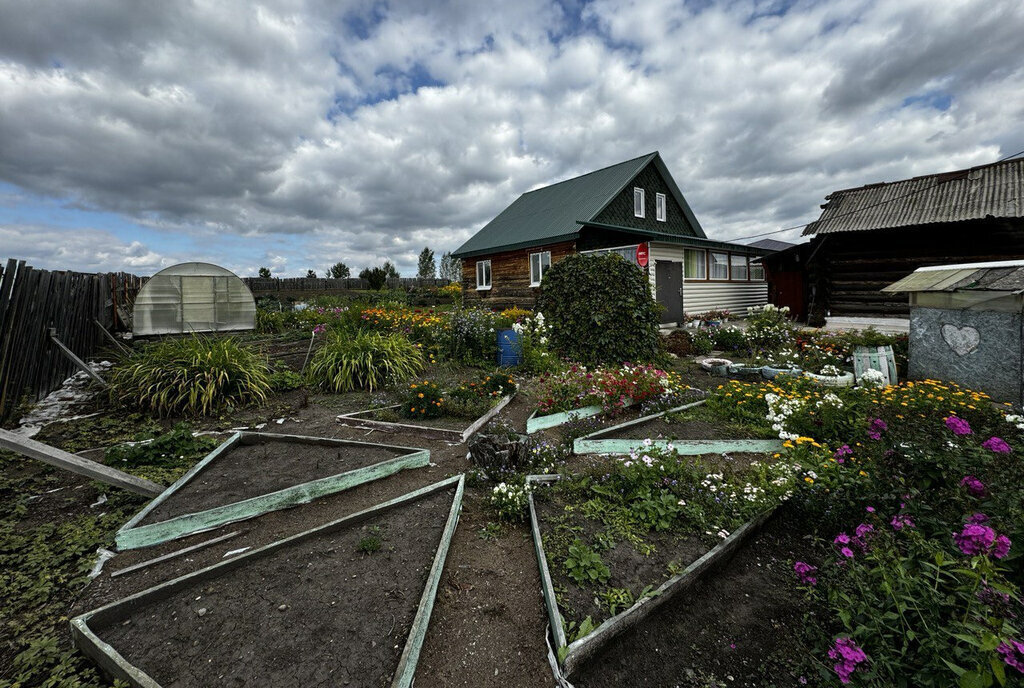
x=510 y=276
x=849 y=269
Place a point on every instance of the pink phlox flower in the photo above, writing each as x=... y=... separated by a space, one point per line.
x=974 y=487
x=1012 y=654
x=1001 y=547
x=901 y=521
x=974 y=539
x=997 y=445
x=958 y=425
x=805 y=573
x=848 y=656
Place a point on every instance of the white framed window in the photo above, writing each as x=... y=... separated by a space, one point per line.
x=638 y=201
x=539 y=264
x=659 y=207
x=719 y=266
x=483 y=274
x=695 y=264
x=756 y=272
x=738 y=265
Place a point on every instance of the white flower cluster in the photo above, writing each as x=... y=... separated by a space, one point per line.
x=779 y=411
x=830 y=370
x=830 y=399
x=767 y=308
x=533 y=326
x=1016 y=420
x=872 y=378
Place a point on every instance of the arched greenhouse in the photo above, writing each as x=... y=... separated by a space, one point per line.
x=193 y=297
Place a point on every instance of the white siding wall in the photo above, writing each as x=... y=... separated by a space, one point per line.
x=701 y=295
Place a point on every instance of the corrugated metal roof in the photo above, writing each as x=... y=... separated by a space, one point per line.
x=967 y=277
x=971 y=194
x=555 y=212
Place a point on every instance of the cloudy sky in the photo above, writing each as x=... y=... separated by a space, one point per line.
x=294 y=133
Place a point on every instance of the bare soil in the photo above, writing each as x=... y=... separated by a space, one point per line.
x=251 y=470
x=317 y=612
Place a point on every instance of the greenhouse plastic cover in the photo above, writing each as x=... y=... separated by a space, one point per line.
x=193 y=297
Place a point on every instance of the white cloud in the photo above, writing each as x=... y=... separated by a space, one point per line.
x=297 y=123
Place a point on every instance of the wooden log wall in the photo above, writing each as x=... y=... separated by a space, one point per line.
x=34 y=301
x=510 y=276
x=850 y=268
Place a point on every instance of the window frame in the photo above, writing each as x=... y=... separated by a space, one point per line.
x=661 y=207
x=711 y=265
x=639 y=195
x=702 y=261
x=745 y=266
x=541 y=267
x=486 y=265
x=750 y=270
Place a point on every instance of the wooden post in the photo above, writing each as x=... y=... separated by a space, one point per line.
x=76 y=360
x=76 y=464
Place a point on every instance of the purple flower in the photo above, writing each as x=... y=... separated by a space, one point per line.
x=901 y=521
x=841 y=539
x=997 y=445
x=805 y=572
x=1001 y=547
x=974 y=539
x=841 y=454
x=848 y=656
x=975 y=487
x=320 y=329
x=846 y=552
x=958 y=425
x=870 y=509
x=877 y=427
x=978 y=518
x=1013 y=654
x=863 y=529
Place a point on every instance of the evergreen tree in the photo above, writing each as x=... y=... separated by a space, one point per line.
x=265 y=273
x=339 y=271
x=427 y=267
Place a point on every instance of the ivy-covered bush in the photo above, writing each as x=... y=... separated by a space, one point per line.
x=600 y=310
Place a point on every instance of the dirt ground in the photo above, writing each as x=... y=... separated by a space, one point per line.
x=488 y=624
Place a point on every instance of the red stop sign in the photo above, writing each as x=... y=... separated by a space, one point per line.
x=641 y=255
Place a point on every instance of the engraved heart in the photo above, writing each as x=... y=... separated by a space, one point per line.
x=962 y=340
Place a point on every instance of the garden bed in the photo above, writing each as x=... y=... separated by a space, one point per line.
x=360 y=614
x=253 y=473
x=443 y=428
x=689 y=429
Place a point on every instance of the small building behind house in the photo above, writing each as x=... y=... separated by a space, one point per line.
x=193 y=297
x=965 y=325
x=871 y=236
x=633 y=208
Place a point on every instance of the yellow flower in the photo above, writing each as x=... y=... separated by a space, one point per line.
x=809 y=480
x=420 y=395
x=863 y=474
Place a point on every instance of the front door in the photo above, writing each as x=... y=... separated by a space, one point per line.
x=668 y=289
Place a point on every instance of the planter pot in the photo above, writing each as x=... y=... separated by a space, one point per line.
x=716 y=366
x=770 y=372
x=741 y=371
x=844 y=380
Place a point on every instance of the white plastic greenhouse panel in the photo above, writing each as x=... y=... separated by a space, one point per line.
x=193 y=297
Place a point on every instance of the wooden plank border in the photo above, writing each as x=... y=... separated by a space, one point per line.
x=574 y=654
x=132 y=535
x=596 y=443
x=115 y=665
x=443 y=433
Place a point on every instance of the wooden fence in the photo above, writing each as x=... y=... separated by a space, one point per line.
x=34 y=302
x=269 y=285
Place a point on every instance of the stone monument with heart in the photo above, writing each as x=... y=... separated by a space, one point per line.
x=962 y=340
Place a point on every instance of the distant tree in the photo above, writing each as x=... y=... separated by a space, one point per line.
x=451 y=267
x=427 y=266
x=390 y=271
x=265 y=273
x=339 y=271
x=311 y=274
x=375 y=276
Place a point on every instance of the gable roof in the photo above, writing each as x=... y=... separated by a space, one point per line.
x=996 y=189
x=557 y=212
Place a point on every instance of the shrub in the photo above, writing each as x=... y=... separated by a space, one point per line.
x=702 y=343
x=599 y=309
x=452 y=291
x=768 y=327
x=366 y=361
x=192 y=375
x=376 y=277
x=729 y=339
x=423 y=400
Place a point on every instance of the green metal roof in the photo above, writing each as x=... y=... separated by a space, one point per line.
x=556 y=212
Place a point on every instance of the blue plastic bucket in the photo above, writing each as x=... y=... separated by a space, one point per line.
x=509 y=353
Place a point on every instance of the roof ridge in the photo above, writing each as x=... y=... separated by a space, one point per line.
x=587 y=174
x=964 y=171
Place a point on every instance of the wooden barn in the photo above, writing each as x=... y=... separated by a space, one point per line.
x=633 y=208
x=874 y=235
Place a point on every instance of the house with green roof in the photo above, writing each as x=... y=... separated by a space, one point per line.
x=633 y=208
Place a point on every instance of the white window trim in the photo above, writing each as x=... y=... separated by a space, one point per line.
x=640 y=195
x=486 y=287
x=661 y=207
x=540 y=266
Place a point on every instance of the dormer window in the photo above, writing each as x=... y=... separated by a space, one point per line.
x=638 y=202
x=659 y=206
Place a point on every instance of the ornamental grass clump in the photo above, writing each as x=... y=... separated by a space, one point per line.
x=367 y=361
x=194 y=376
